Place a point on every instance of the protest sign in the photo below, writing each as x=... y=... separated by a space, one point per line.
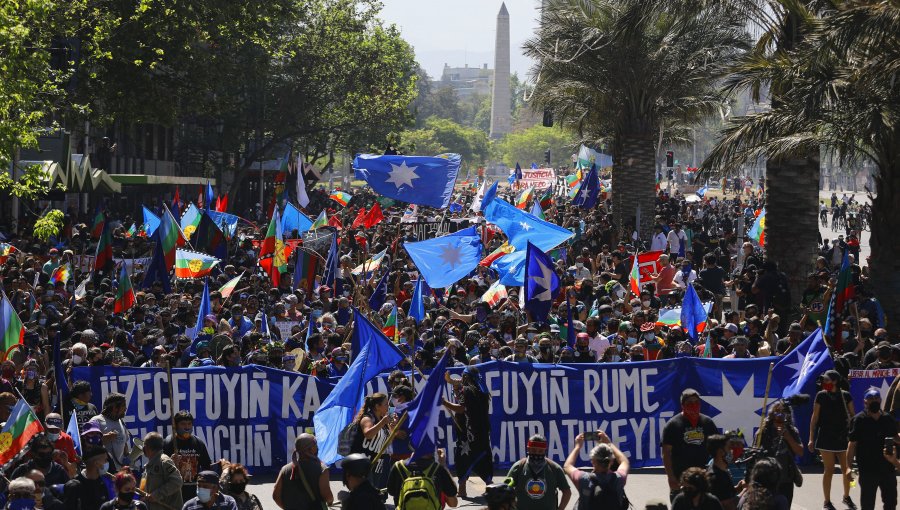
x=252 y=414
x=862 y=380
x=539 y=178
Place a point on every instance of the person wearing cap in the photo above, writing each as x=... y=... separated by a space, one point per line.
x=602 y=479
x=652 y=344
x=91 y=434
x=203 y=354
x=871 y=430
x=788 y=344
x=240 y=324
x=52 y=263
x=209 y=497
x=739 y=348
x=520 y=352
x=88 y=490
x=538 y=480
x=363 y=495
x=583 y=352
x=60 y=440
x=338 y=364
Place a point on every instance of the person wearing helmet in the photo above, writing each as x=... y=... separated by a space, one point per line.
x=363 y=495
x=500 y=496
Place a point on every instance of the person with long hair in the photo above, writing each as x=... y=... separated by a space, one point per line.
x=234 y=483
x=694 y=492
x=374 y=428
x=473 y=427
x=126 y=486
x=780 y=440
x=828 y=429
x=761 y=493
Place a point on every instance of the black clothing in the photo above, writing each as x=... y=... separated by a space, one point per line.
x=707 y=502
x=443 y=481
x=112 y=505
x=56 y=475
x=473 y=445
x=869 y=434
x=713 y=279
x=870 y=483
x=720 y=483
x=193 y=458
x=294 y=495
x=83 y=494
x=364 y=497
x=688 y=442
x=831 y=429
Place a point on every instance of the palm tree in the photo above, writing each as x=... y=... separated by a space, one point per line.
x=792 y=180
x=627 y=72
x=844 y=96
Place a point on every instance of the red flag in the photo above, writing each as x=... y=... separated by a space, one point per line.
x=648 y=264
x=360 y=218
x=223 y=203
x=200 y=202
x=374 y=216
x=335 y=222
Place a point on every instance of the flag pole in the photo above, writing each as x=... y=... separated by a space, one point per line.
x=171 y=400
x=390 y=438
x=762 y=419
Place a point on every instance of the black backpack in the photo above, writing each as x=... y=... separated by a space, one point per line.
x=603 y=492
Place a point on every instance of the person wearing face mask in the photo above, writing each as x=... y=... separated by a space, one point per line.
x=126 y=487
x=520 y=353
x=545 y=350
x=92 y=486
x=651 y=343
x=61 y=441
x=161 y=484
x=538 y=480
x=240 y=324
x=80 y=395
x=209 y=497
x=694 y=492
x=234 y=483
x=870 y=431
x=684 y=440
x=338 y=365
x=42 y=460
x=724 y=451
x=583 y=352
x=34 y=389
x=21 y=494
x=188 y=452
x=828 y=428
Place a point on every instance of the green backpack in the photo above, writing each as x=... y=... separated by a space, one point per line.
x=418 y=491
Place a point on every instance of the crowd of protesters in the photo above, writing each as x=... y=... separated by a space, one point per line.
x=753 y=315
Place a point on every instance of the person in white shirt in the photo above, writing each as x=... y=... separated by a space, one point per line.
x=685 y=276
x=658 y=243
x=676 y=240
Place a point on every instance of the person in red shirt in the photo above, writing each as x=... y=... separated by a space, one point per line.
x=61 y=441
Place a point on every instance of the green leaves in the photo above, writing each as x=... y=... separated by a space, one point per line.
x=48 y=225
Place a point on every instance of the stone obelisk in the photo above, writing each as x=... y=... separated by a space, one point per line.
x=501 y=123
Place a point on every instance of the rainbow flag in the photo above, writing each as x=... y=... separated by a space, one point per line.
x=10 y=324
x=321 y=221
x=524 y=197
x=191 y=264
x=190 y=220
x=124 y=293
x=574 y=182
x=272 y=256
x=18 y=431
x=6 y=250
x=390 y=325
x=671 y=317
x=227 y=289
x=494 y=294
x=635 y=277
x=61 y=274
x=758 y=230
x=341 y=197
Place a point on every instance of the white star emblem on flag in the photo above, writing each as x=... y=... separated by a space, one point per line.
x=402 y=175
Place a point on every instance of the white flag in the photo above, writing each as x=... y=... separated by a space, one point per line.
x=302 y=197
x=476 y=203
x=81 y=290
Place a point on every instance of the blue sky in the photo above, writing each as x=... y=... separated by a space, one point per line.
x=458 y=32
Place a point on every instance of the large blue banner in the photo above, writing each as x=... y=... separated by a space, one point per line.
x=862 y=380
x=252 y=414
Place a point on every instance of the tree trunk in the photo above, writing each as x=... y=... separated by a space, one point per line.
x=633 y=184
x=792 y=222
x=884 y=264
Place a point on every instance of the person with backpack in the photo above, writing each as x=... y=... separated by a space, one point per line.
x=422 y=483
x=537 y=479
x=602 y=487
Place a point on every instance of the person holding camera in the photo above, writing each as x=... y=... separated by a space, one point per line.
x=602 y=487
x=780 y=440
x=873 y=431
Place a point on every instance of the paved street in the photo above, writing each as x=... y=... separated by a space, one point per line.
x=643 y=486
